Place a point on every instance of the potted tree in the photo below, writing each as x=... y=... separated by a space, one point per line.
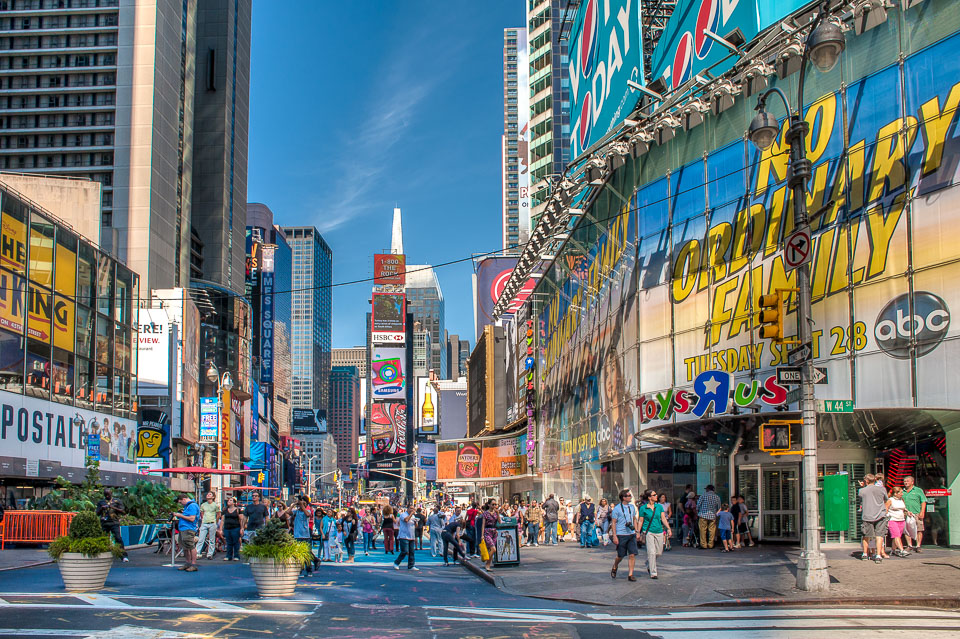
x=276 y=559
x=85 y=555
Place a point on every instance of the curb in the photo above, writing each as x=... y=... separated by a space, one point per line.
x=494 y=580
x=47 y=562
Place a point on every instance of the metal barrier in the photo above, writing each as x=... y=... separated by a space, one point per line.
x=34 y=526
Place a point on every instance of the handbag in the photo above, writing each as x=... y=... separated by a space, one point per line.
x=484 y=552
x=643 y=533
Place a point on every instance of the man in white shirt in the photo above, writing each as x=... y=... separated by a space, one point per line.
x=406 y=523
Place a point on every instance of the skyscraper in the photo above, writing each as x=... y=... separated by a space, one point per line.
x=310 y=344
x=549 y=100
x=425 y=303
x=107 y=90
x=515 y=140
x=355 y=356
x=344 y=415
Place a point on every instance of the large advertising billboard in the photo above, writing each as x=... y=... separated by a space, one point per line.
x=523 y=135
x=388 y=378
x=153 y=347
x=267 y=279
x=427 y=459
x=482 y=458
x=309 y=421
x=389 y=268
x=389 y=318
x=490 y=279
x=453 y=413
x=428 y=406
x=209 y=419
x=605 y=52
x=388 y=428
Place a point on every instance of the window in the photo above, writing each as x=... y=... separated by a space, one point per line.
x=62 y=376
x=38 y=369
x=11 y=361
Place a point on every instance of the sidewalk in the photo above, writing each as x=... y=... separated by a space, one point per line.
x=24 y=557
x=760 y=575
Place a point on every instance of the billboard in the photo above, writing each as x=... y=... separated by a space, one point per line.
x=427 y=459
x=153 y=436
x=389 y=317
x=605 y=52
x=389 y=268
x=309 y=421
x=153 y=347
x=683 y=50
x=267 y=280
x=427 y=407
x=388 y=378
x=388 y=428
x=453 y=413
x=489 y=280
x=482 y=458
x=209 y=419
x=363 y=408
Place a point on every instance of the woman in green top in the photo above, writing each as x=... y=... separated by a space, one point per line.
x=653 y=522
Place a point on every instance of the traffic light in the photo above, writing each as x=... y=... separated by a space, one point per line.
x=770 y=317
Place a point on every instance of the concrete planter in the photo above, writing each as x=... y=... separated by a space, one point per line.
x=84 y=574
x=275 y=579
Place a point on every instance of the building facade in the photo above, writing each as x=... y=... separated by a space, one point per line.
x=458 y=351
x=515 y=171
x=310 y=346
x=344 y=414
x=425 y=303
x=354 y=356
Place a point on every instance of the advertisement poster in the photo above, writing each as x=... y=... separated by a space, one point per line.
x=490 y=279
x=388 y=428
x=363 y=408
x=482 y=458
x=453 y=413
x=153 y=347
x=209 y=419
x=428 y=404
x=387 y=373
x=427 y=459
x=306 y=421
x=389 y=269
x=389 y=312
x=153 y=435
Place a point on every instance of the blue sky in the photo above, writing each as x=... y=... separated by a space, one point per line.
x=358 y=106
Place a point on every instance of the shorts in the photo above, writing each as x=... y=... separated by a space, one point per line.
x=188 y=539
x=874 y=528
x=627 y=545
x=743 y=528
x=724 y=534
x=896 y=528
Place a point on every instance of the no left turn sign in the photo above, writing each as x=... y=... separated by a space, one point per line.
x=798 y=249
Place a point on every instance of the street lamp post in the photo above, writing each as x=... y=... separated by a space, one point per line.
x=224 y=385
x=824 y=46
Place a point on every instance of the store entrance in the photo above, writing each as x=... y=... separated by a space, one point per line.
x=772 y=494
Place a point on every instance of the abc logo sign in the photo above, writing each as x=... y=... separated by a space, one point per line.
x=928 y=323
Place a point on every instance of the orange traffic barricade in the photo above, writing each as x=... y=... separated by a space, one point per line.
x=34 y=526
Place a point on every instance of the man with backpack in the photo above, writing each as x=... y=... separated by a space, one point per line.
x=624 y=526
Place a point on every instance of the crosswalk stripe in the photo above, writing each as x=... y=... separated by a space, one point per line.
x=741 y=613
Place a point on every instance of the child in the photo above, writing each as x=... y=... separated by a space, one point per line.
x=336 y=548
x=725 y=526
x=687 y=528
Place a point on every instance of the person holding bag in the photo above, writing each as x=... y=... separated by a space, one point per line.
x=653 y=522
x=488 y=533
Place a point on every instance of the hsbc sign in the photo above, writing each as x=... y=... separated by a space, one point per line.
x=605 y=52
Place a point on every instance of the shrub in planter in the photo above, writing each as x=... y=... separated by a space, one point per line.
x=276 y=559
x=85 y=555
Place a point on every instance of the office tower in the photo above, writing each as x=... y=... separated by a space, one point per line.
x=549 y=100
x=221 y=112
x=421 y=351
x=355 y=356
x=425 y=303
x=105 y=90
x=516 y=116
x=458 y=350
x=310 y=346
x=344 y=414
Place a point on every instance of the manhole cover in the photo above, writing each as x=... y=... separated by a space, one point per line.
x=749 y=593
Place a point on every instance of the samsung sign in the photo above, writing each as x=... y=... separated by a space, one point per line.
x=605 y=52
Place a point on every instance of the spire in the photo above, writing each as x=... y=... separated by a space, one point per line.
x=396 y=239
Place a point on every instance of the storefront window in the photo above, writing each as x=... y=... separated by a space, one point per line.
x=11 y=361
x=104 y=395
x=85 y=331
x=122 y=347
x=42 y=232
x=86 y=377
x=13 y=301
x=39 y=313
x=104 y=340
x=105 y=285
x=121 y=394
x=123 y=302
x=86 y=279
x=38 y=369
x=62 y=376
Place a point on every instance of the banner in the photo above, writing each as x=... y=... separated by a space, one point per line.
x=427 y=459
x=153 y=436
x=605 y=52
x=153 y=347
x=388 y=428
x=490 y=279
x=387 y=373
x=389 y=268
x=476 y=459
x=427 y=405
x=209 y=419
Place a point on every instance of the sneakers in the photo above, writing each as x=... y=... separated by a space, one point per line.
x=864 y=557
x=226 y=559
x=415 y=569
x=878 y=559
x=396 y=566
x=190 y=569
x=126 y=560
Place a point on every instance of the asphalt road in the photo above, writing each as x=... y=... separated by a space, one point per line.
x=371 y=600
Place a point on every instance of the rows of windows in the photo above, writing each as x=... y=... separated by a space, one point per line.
x=55 y=140
x=59 y=160
x=19 y=43
x=47 y=81
x=56 y=101
x=33 y=5
x=58 y=61
x=56 y=120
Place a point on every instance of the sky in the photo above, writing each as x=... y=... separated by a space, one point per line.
x=357 y=107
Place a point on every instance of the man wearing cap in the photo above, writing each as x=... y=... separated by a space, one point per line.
x=587 y=518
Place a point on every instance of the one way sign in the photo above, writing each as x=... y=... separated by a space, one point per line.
x=792 y=375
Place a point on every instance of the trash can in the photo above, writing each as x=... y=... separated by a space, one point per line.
x=508 y=542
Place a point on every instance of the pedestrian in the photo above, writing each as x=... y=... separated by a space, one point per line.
x=687 y=527
x=451 y=537
x=350 y=532
x=707 y=506
x=873 y=499
x=369 y=521
x=550 y=514
x=741 y=519
x=231 y=527
x=328 y=532
x=916 y=503
x=377 y=518
x=654 y=526
x=406 y=526
x=668 y=511
x=435 y=525
x=897 y=511
x=471 y=533
x=209 y=514
x=255 y=516
x=725 y=526
x=488 y=532
x=603 y=520
x=386 y=527
x=563 y=516
x=534 y=520
x=421 y=520
x=336 y=544
x=189 y=522
x=587 y=517
x=299 y=514
x=625 y=525
x=109 y=510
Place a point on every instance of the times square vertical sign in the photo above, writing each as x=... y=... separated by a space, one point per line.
x=266 y=315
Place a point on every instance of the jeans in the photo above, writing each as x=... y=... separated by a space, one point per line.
x=550 y=534
x=604 y=526
x=586 y=533
x=435 y=542
x=368 y=542
x=208 y=534
x=232 y=536
x=407 y=549
x=708 y=531
x=328 y=545
x=468 y=536
x=351 y=545
x=388 y=534
x=450 y=540
x=419 y=535
x=114 y=529
x=533 y=533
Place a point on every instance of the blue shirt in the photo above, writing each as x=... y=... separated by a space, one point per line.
x=301 y=525
x=724 y=520
x=622 y=514
x=404 y=529
x=190 y=509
